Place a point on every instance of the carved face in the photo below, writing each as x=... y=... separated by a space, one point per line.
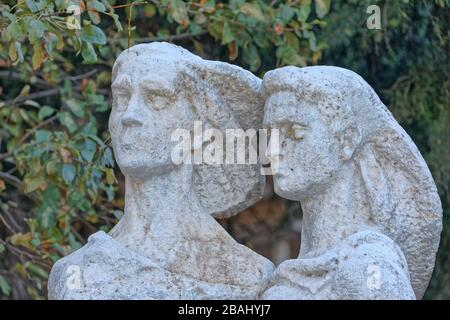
x=308 y=151
x=146 y=109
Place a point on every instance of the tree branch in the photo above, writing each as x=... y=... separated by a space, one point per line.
x=35 y=95
x=12 y=180
x=17 y=76
x=28 y=134
x=11 y=218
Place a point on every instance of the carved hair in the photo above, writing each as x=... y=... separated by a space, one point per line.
x=399 y=187
x=222 y=96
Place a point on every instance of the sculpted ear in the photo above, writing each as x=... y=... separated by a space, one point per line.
x=349 y=141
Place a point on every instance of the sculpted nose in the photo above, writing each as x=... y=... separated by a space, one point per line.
x=132 y=116
x=131 y=121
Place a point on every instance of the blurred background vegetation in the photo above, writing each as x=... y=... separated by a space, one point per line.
x=58 y=181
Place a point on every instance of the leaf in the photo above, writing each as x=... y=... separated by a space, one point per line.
x=107 y=158
x=66 y=155
x=94 y=16
x=38 y=57
x=76 y=107
x=21 y=270
x=19 y=52
x=251 y=57
x=304 y=12
x=110 y=177
x=37 y=271
x=32 y=103
x=66 y=120
x=178 y=11
x=32 y=5
x=88 y=150
x=97 y=5
x=93 y=34
x=42 y=135
x=4 y=286
x=46 y=217
x=34 y=164
x=261 y=40
x=77 y=199
x=312 y=42
x=233 y=50
x=117 y=22
x=104 y=78
x=25 y=91
x=96 y=139
x=68 y=173
x=32 y=183
x=15 y=30
x=286 y=13
x=51 y=41
x=25 y=116
x=227 y=34
x=51 y=167
x=149 y=10
x=253 y=10
x=88 y=53
x=60 y=42
x=13 y=52
x=289 y=56
x=36 y=31
x=20 y=239
x=292 y=40
x=44 y=112
x=215 y=29
x=200 y=18
x=322 y=7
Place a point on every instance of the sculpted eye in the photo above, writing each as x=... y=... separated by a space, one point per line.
x=121 y=100
x=156 y=101
x=295 y=131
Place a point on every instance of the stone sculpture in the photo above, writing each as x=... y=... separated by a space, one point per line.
x=168 y=245
x=371 y=213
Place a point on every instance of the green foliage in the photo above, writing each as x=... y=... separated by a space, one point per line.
x=57 y=177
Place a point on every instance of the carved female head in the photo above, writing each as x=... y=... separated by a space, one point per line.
x=158 y=88
x=329 y=118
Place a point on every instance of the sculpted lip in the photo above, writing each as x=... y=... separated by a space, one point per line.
x=127 y=146
x=127 y=140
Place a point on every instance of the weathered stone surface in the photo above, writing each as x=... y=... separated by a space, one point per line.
x=371 y=213
x=168 y=244
x=368 y=198
x=366 y=265
x=112 y=271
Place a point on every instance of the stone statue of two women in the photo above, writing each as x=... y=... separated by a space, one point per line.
x=371 y=213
